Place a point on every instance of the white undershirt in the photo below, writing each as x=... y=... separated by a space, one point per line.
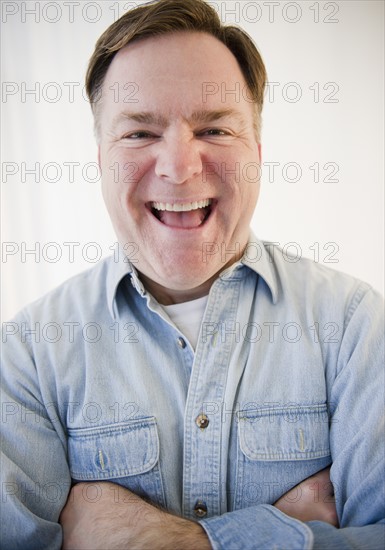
x=188 y=316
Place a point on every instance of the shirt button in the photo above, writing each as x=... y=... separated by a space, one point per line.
x=181 y=343
x=202 y=421
x=200 y=509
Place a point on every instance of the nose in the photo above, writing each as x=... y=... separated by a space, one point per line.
x=179 y=159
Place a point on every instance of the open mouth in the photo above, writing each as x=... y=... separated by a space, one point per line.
x=186 y=215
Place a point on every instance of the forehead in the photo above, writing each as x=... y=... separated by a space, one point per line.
x=183 y=69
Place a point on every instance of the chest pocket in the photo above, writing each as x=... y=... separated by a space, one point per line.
x=278 y=447
x=126 y=453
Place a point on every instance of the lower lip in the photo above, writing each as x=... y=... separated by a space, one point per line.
x=185 y=229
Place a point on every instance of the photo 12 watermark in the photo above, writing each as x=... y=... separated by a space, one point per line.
x=239 y=12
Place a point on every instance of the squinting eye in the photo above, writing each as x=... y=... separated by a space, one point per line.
x=138 y=135
x=214 y=132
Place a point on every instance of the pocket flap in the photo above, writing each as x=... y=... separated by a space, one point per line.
x=284 y=433
x=113 y=451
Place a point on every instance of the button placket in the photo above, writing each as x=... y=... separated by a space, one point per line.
x=202 y=469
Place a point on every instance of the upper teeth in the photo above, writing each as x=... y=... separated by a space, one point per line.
x=181 y=207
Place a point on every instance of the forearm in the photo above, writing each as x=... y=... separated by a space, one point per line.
x=174 y=534
x=121 y=519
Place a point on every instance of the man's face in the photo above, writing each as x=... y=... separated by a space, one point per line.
x=179 y=159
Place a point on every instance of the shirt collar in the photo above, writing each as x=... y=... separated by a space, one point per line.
x=256 y=257
x=118 y=269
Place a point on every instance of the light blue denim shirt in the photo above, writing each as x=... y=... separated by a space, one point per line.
x=286 y=379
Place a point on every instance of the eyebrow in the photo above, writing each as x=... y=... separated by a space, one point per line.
x=197 y=117
x=212 y=116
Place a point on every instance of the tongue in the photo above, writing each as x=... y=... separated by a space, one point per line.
x=187 y=220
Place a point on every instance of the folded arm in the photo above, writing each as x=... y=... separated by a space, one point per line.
x=105 y=515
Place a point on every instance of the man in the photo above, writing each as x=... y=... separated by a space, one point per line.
x=175 y=419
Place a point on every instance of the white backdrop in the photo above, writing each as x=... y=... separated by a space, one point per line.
x=322 y=173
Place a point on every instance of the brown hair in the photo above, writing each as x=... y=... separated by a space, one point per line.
x=160 y=17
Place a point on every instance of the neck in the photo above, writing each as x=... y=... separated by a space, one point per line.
x=167 y=296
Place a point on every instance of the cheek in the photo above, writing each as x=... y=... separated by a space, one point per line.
x=250 y=181
x=238 y=170
x=122 y=175
x=246 y=198
x=242 y=192
x=251 y=197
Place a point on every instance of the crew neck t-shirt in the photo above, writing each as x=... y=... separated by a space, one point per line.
x=188 y=316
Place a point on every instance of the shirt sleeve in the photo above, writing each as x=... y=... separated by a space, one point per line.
x=356 y=404
x=34 y=470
